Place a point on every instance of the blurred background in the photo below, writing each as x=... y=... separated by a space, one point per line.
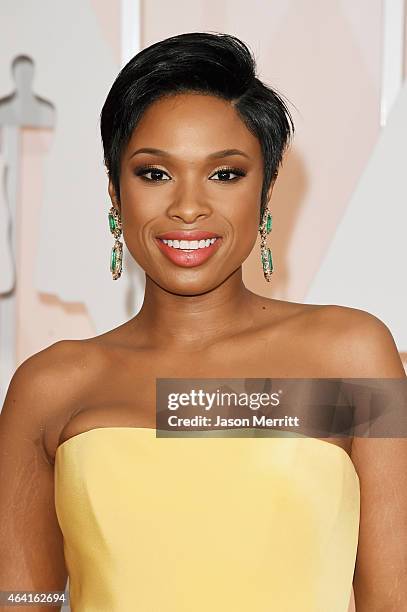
x=339 y=205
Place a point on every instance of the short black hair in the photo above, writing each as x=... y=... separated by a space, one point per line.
x=204 y=62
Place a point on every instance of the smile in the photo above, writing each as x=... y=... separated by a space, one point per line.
x=190 y=244
x=189 y=253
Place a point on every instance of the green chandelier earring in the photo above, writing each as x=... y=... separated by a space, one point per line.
x=116 y=256
x=265 y=252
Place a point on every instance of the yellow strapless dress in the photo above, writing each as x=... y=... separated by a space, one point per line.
x=208 y=524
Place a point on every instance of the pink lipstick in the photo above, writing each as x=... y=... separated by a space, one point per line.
x=188 y=248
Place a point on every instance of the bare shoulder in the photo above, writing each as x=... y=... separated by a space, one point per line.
x=359 y=344
x=49 y=372
x=37 y=374
x=46 y=388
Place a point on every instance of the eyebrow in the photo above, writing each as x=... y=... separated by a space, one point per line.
x=216 y=155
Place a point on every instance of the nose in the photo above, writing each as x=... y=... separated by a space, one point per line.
x=189 y=203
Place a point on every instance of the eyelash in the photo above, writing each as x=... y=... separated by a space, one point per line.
x=145 y=169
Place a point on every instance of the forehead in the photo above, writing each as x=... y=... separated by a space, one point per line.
x=195 y=124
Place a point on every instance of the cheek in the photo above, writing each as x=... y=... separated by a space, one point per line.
x=242 y=206
x=140 y=204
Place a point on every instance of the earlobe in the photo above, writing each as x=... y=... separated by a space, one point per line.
x=113 y=198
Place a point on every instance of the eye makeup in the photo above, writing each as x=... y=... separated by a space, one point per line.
x=229 y=170
x=145 y=169
x=141 y=171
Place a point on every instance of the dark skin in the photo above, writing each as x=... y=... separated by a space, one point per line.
x=195 y=322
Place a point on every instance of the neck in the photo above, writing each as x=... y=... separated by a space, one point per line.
x=191 y=322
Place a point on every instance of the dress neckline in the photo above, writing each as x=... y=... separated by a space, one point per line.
x=336 y=447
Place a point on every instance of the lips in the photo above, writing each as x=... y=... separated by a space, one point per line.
x=188 y=258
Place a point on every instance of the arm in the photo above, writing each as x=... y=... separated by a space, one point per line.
x=31 y=544
x=380 y=579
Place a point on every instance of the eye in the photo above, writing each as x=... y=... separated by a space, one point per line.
x=156 y=174
x=224 y=174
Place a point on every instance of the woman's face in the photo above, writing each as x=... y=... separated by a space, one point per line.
x=191 y=165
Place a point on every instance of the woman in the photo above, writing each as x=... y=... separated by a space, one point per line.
x=193 y=142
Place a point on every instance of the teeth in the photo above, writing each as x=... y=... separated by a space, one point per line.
x=190 y=244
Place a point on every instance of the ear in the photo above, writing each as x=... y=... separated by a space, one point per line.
x=113 y=198
x=270 y=190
